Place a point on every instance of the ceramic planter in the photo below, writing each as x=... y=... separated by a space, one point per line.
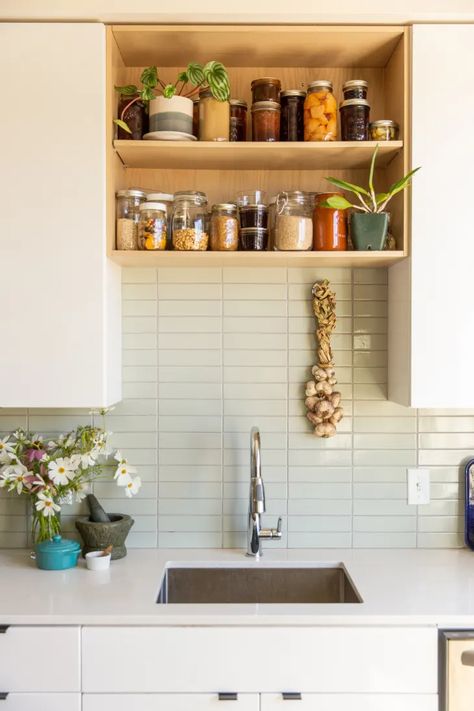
x=369 y=230
x=175 y=114
x=97 y=536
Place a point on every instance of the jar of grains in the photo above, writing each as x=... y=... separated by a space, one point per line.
x=355 y=120
x=320 y=112
x=128 y=204
x=266 y=89
x=224 y=227
x=293 y=222
x=238 y=120
x=190 y=221
x=292 y=115
x=355 y=89
x=383 y=130
x=329 y=226
x=214 y=117
x=152 y=226
x=266 y=121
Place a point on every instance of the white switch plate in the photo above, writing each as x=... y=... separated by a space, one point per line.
x=418 y=486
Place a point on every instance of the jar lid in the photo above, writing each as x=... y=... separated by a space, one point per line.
x=258 y=230
x=58 y=545
x=293 y=92
x=353 y=83
x=238 y=102
x=159 y=197
x=192 y=195
x=153 y=206
x=265 y=80
x=131 y=193
x=320 y=84
x=384 y=122
x=266 y=106
x=354 y=102
x=224 y=206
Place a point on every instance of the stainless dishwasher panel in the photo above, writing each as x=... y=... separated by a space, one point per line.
x=456 y=670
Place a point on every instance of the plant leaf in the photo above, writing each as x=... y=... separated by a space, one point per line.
x=147 y=94
x=216 y=76
x=122 y=125
x=195 y=73
x=348 y=186
x=183 y=76
x=336 y=202
x=371 y=174
x=169 y=91
x=149 y=77
x=402 y=183
x=127 y=90
x=380 y=197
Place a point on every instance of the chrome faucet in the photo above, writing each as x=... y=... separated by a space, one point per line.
x=255 y=532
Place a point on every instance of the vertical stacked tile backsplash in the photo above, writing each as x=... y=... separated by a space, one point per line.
x=208 y=353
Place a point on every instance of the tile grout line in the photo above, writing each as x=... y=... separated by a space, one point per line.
x=157 y=416
x=352 y=405
x=222 y=405
x=287 y=405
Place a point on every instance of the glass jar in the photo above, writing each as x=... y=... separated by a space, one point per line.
x=329 y=226
x=383 y=130
x=320 y=112
x=292 y=115
x=355 y=120
x=266 y=121
x=293 y=222
x=238 y=120
x=253 y=239
x=214 y=117
x=135 y=117
x=224 y=228
x=271 y=221
x=152 y=226
x=266 y=89
x=190 y=221
x=167 y=199
x=196 y=117
x=128 y=214
x=355 y=89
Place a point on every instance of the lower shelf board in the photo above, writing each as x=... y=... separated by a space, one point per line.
x=255 y=259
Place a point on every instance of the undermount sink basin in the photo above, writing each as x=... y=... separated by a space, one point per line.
x=245 y=584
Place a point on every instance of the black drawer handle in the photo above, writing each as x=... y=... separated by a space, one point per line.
x=227 y=696
x=3 y=628
x=291 y=696
x=3 y=695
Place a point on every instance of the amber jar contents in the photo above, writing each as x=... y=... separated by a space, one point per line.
x=135 y=117
x=292 y=115
x=238 y=120
x=224 y=228
x=320 y=112
x=355 y=89
x=266 y=89
x=266 y=121
x=214 y=117
x=329 y=226
x=355 y=120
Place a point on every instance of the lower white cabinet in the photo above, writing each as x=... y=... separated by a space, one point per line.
x=170 y=702
x=41 y=702
x=350 y=702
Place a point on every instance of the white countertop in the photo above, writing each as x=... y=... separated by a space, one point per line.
x=408 y=587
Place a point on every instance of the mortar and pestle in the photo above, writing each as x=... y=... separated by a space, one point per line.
x=100 y=529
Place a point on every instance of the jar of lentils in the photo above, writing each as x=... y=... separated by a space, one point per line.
x=128 y=215
x=224 y=231
x=190 y=221
x=153 y=226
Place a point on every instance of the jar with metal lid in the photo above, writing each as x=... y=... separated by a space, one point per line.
x=238 y=120
x=128 y=204
x=196 y=117
x=253 y=239
x=266 y=89
x=167 y=199
x=320 y=112
x=224 y=232
x=355 y=120
x=190 y=221
x=152 y=226
x=292 y=115
x=266 y=121
x=135 y=116
x=214 y=117
x=355 y=89
x=383 y=130
x=271 y=221
x=329 y=226
x=293 y=222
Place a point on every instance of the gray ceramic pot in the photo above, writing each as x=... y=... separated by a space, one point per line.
x=369 y=231
x=97 y=536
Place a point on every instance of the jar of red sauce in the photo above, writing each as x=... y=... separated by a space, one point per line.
x=329 y=226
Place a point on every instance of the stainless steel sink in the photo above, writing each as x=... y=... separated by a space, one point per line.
x=278 y=584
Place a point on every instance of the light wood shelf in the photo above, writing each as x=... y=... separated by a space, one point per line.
x=206 y=155
x=256 y=259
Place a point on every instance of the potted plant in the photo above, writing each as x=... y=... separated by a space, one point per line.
x=369 y=224
x=172 y=108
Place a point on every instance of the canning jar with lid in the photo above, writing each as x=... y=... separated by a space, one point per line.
x=214 y=117
x=271 y=221
x=329 y=226
x=128 y=204
x=238 y=120
x=253 y=239
x=152 y=226
x=292 y=115
x=355 y=89
x=355 y=120
x=196 y=117
x=266 y=89
x=320 y=112
x=224 y=231
x=167 y=199
x=266 y=121
x=383 y=130
x=190 y=221
x=293 y=222
x=134 y=115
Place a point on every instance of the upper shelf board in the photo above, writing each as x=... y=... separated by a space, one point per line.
x=257 y=45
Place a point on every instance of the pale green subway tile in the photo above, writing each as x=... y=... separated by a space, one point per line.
x=447 y=412
x=187 y=456
x=142 y=540
x=139 y=374
x=143 y=341
x=308 y=325
x=304 y=308
x=385 y=424
x=301 y=424
x=370 y=376
x=175 y=440
x=300 y=374
x=241 y=474
x=255 y=408
x=301 y=292
x=239 y=507
x=328 y=457
x=190 y=390
x=249 y=374
x=190 y=357
x=382 y=408
x=185 y=507
x=189 y=292
x=190 y=308
x=440 y=540
x=366 y=391
x=132 y=423
x=255 y=292
x=235 y=523
x=383 y=507
x=380 y=474
x=240 y=440
x=308 y=357
x=370 y=325
x=234 y=423
x=198 y=341
x=373 y=457
x=447 y=474
x=370 y=359
x=302 y=524
x=132 y=507
x=189 y=423
x=384 y=524
x=254 y=391
x=136 y=292
x=189 y=374
x=442 y=507
x=13 y=540
x=197 y=490
x=108 y=489
x=317 y=475
x=190 y=523
x=446 y=424
x=194 y=539
x=315 y=507
x=447 y=441
x=236 y=358
x=140 y=390
x=133 y=440
x=258 y=324
x=189 y=324
x=140 y=324
x=370 y=276
x=319 y=540
x=132 y=275
x=308 y=275
x=192 y=407
x=370 y=342
x=374 y=309
x=449 y=457
x=380 y=490
x=57 y=423
x=251 y=309
x=370 y=291
x=138 y=308
x=324 y=490
x=10 y=423
x=255 y=341
x=12 y=524
x=440 y=524
x=384 y=540
x=238 y=457
x=385 y=441
x=274 y=490
x=140 y=357
x=446 y=490
x=190 y=275
x=254 y=275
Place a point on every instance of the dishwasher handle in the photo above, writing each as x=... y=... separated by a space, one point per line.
x=467 y=658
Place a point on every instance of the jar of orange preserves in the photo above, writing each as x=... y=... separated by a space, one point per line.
x=320 y=112
x=329 y=226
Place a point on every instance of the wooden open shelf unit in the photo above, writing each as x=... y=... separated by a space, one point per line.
x=297 y=55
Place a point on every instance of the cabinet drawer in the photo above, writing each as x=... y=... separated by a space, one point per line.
x=351 y=702
x=168 y=702
x=40 y=659
x=206 y=659
x=41 y=702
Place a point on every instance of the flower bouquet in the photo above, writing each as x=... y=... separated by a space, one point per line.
x=59 y=471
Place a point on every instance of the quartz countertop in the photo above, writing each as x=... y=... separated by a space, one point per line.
x=398 y=587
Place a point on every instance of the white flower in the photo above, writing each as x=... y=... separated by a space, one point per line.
x=14 y=469
x=81 y=492
x=6 y=450
x=88 y=459
x=37 y=440
x=133 y=487
x=60 y=471
x=46 y=504
x=18 y=482
x=123 y=474
x=119 y=458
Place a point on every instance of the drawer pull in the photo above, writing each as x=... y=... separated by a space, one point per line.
x=3 y=628
x=467 y=658
x=227 y=696
x=3 y=695
x=291 y=696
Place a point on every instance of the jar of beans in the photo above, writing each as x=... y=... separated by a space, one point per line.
x=153 y=226
x=224 y=232
x=266 y=121
x=190 y=221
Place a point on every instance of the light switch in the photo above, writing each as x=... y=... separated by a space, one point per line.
x=418 y=486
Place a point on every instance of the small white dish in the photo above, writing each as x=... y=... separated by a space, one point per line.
x=96 y=561
x=169 y=136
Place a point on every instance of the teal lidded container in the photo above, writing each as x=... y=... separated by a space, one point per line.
x=57 y=554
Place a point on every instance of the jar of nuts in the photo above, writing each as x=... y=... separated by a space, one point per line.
x=320 y=112
x=224 y=227
x=152 y=226
x=190 y=221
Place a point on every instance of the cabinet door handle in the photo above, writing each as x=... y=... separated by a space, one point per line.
x=467 y=658
x=3 y=695
x=227 y=696
x=291 y=696
x=3 y=628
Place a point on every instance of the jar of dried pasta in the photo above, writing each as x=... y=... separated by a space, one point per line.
x=320 y=112
x=224 y=231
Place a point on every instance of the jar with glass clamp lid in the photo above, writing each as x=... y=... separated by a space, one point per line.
x=190 y=221
x=293 y=222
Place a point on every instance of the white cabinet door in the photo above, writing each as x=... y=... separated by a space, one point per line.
x=431 y=323
x=59 y=295
x=39 y=659
x=169 y=702
x=41 y=702
x=350 y=702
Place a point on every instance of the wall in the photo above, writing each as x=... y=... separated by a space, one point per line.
x=210 y=352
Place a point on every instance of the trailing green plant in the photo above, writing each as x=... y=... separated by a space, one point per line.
x=371 y=202
x=213 y=75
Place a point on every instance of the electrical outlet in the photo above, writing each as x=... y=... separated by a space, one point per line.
x=418 y=486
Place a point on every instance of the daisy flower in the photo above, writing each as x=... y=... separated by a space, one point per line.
x=60 y=471
x=133 y=486
x=46 y=505
x=19 y=482
x=6 y=450
x=15 y=468
x=123 y=473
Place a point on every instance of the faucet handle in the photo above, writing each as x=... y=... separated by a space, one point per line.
x=279 y=526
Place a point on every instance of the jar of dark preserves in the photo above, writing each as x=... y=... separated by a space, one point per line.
x=253 y=239
x=266 y=121
x=266 y=89
x=134 y=115
x=355 y=89
x=196 y=117
x=292 y=115
x=355 y=120
x=238 y=120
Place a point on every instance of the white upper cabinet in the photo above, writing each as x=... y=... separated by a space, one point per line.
x=431 y=318
x=59 y=295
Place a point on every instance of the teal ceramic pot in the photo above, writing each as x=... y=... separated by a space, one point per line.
x=369 y=230
x=57 y=554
